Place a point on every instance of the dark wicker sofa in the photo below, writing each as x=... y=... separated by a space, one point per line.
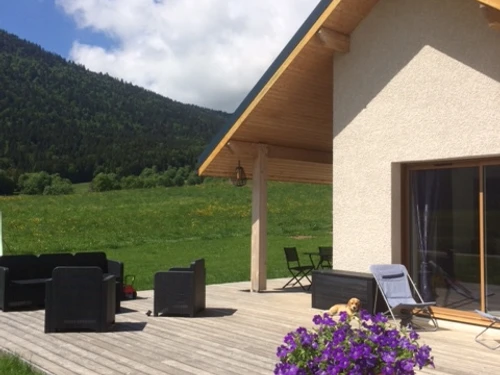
x=23 y=277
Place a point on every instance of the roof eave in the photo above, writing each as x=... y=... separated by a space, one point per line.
x=300 y=38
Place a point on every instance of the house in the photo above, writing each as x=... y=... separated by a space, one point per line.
x=395 y=103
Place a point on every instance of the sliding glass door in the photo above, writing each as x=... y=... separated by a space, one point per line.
x=454 y=234
x=492 y=238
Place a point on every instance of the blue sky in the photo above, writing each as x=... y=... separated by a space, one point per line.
x=210 y=53
x=42 y=22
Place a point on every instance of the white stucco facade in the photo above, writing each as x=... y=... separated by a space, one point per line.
x=421 y=82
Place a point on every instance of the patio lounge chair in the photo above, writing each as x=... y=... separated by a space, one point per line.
x=296 y=269
x=494 y=320
x=394 y=282
x=78 y=299
x=180 y=291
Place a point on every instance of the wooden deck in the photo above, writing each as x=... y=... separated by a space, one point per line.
x=238 y=334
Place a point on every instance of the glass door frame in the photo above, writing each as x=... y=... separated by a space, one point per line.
x=443 y=312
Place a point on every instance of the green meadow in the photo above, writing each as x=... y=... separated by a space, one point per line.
x=155 y=229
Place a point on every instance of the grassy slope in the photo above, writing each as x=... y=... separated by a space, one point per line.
x=153 y=229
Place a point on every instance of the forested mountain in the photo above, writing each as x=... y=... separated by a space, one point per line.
x=56 y=116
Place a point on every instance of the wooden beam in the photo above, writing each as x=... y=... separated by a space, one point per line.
x=276 y=75
x=279 y=152
x=491 y=3
x=492 y=15
x=333 y=40
x=258 y=272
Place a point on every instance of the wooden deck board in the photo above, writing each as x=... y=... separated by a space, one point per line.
x=238 y=334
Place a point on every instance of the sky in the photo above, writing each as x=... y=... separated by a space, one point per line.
x=204 y=52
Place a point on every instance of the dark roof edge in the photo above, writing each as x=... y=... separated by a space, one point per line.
x=297 y=37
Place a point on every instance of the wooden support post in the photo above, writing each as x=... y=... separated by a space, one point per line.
x=258 y=272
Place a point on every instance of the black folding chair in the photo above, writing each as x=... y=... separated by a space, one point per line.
x=325 y=257
x=296 y=269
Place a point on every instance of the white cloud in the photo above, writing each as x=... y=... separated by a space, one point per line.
x=205 y=52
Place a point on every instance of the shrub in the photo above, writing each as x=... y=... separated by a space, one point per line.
x=105 y=182
x=183 y=172
x=149 y=172
x=373 y=347
x=171 y=172
x=165 y=180
x=132 y=182
x=150 y=182
x=193 y=179
x=178 y=181
x=59 y=186
x=34 y=183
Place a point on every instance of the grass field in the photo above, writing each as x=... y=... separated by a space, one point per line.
x=12 y=365
x=154 y=229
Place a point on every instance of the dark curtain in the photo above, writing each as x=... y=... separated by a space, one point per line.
x=425 y=193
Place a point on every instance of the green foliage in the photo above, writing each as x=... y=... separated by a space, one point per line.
x=149 y=178
x=132 y=182
x=43 y=183
x=34 y=183
x=178 y=180
x=13 y=365
x=193 y=179
x=165 y=180
x=153 y=229
x=59 y=186
x=7 y=184
x=105 y=182
x=58 y=117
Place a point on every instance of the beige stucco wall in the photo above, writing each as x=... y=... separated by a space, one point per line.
x=422 y=82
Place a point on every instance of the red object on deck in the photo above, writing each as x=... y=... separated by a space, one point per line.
x=129 y=291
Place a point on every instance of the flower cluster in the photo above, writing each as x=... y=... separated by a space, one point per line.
x=358 y=345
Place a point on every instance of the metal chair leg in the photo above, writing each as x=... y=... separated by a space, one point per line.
x=482 y=342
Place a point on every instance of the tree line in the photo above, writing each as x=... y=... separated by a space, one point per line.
x=43 y=183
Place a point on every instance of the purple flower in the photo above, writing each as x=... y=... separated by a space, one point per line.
x=379 y=318
x=388 y=356
x=289 y=339
x=414 y=335
x=317 y=320
x=286 y=369
x=282 y=351
x=364 y=316
x=407 y=365
x=356 y=351
x=343 y=317
x=387 y=370
x=339 y=336
x=306 y=339
x=423 y=356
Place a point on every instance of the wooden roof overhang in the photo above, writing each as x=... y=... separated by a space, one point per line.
x=290 y=109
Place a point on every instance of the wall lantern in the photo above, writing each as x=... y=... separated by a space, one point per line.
x=239 y=178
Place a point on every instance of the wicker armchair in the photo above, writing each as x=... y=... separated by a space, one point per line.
x=180 y=291
x=79 y=298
